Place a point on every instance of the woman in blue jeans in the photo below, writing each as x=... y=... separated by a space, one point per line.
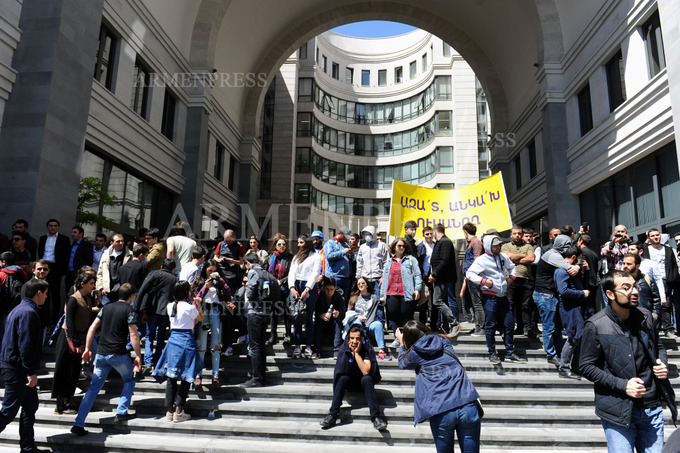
x=443 y=394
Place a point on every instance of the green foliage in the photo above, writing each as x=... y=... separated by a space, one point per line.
x=93 y=192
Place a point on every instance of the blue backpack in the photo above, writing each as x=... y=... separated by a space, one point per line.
x=469 y=259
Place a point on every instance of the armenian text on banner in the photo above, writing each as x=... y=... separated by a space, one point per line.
x=483 y=203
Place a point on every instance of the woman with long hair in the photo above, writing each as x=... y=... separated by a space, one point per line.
x=444 y=394
x=401 y=284
x=262 y=255
x=211 y=288
x=179 y=360
x=365 y=307
x=279 y=267
x=79 y=316
x=302 y=279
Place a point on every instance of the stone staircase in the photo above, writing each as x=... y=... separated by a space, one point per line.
x=527 y=408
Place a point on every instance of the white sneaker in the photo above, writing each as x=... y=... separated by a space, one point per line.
x=242 y=340
x=395 y=344
x=180 y=417
x=169 y=416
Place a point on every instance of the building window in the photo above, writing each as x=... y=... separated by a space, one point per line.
x=365 y=77
x=518 y=173
x=232 y=173
x=349 y=75
x=303 y=52
x=336 y=71
x=442 y=87
x=169 y=113
x=304 y=124
x=412 y=70
x=398 y=74
x=267 y=154
x=325 y=64
x=445 y=156
x=444 y=123
x=303 y=160
x=106 y=55
x=305 y=89
x=317 y=55
x=141 y=87
x=382 y=77
x=424 y=62
x=616 y=84
x=218 y=170
x=532 y=159
x=651 y=31
x=447 y=50
x=585 y=111
x=302 y=193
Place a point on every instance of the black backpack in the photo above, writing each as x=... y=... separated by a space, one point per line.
x=273 y=293
x=10 y=292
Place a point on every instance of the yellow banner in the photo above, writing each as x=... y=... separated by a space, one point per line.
x=483 y=203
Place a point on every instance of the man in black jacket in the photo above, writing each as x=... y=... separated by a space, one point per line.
x=81 y=254
x=622 y=354
x=151 y=303
x=54 y=248
x=443 y=276
x=20 y=360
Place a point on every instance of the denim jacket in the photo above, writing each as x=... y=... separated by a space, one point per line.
x=410 y=276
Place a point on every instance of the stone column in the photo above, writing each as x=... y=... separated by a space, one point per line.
x=563 y=207
x=669 y=11
x=45 y=118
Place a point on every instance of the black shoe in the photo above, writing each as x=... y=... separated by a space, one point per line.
x=124 y=417
x=36 y=450
x=379 y=424
x=79 y=431
x=328 y=422
x=251 y=383
x=514 y=358
x=493 y=358
x=554 y=361
x=568 y=374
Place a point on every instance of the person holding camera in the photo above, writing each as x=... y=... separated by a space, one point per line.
x=302 y=280
x=613 y=250
x=179 y=360
x=444 y=394
x=211 y=288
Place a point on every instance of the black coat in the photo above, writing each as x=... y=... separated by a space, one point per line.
x=62 y=253
x=84 y=255
x=670 y=268
x=156 y=293
x=443 y=261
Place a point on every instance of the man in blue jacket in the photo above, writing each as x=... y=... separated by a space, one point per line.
x=337 y=254
x=20 y=356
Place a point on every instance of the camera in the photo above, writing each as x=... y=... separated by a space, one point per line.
x=215 y=280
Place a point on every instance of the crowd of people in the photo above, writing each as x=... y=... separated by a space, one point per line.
x=340 y=297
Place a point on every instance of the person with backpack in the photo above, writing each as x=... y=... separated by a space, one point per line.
x=12 y=278
x=474 y=249
x=261 y=288
x=302 y=281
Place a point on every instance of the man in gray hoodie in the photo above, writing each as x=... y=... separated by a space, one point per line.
x=371 y=258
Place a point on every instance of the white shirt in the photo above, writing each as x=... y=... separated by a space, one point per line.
x=189 y=272
x=650 y=268
x=183 y=248
x=186 y=314
x=307 y=271
x=428 y=255
x=50 y=243
x=658 y=256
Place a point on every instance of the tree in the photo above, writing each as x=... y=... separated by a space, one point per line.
x=93 y=193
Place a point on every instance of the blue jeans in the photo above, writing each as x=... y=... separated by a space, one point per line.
x=466 y=425
x=376 y=331
x=552 y=323
x=215 y=324
x=102 y=366
x=18 y=395
x=497 y=311
x=645 y=434
x=309 y=323
x=452 y=300
x=156 y=326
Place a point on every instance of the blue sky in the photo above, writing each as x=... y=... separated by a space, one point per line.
x=374 y=29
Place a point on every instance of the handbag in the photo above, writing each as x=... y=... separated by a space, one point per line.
x=424 y=295
x=478 y=403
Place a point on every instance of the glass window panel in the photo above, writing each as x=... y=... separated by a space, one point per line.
x=643 y=189
x=669 y=182
x=132 y=212
x=624 y=211
x=340 y=175
x=115 y=184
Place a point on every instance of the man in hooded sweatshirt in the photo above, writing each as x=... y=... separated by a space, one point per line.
x=371 y=258
x=546 y=295
x=488 y=271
